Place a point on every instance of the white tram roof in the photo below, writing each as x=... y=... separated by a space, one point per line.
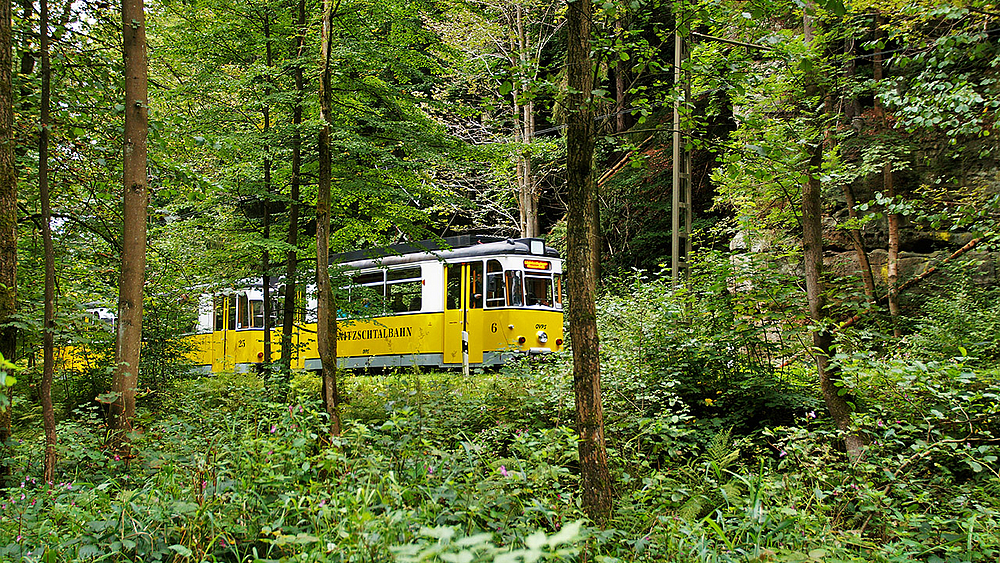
x=445 y=250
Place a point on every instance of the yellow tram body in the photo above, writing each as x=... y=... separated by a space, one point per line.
x=420 y=304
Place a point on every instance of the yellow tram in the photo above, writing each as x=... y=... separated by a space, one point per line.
x=469 y=300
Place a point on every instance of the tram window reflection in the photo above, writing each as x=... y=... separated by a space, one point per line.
x=495 y=289
x=515 y=290
x=476 y=285
x=538 y=290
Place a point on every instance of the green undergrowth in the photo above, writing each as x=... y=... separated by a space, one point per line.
x=438 y=467
x=716 y=455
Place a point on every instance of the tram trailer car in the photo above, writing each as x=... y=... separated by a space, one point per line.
x=409 y=304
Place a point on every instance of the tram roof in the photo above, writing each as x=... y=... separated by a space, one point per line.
x=464 y=246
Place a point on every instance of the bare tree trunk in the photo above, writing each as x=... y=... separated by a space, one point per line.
x=48 y=343
x=859 y=247
x=812 y=258
x=527 y=196
x=582 y=247
x=893 y=219
x=265 y=259
x=8 y=222
x=621 y=118
x=326 y=325
x=291 y=258
x=135 y=200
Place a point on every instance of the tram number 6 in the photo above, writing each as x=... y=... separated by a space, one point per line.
x=494 y=327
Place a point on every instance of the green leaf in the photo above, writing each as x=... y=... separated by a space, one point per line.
x=181 y=550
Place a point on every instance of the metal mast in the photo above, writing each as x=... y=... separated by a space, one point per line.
x=680 y=236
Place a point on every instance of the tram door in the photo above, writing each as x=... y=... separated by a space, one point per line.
x=222 y=333
x=463 y=311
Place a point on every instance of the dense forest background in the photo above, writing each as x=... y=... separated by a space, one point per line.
x=823 y=386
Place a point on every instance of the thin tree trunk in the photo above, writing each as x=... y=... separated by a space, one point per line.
x=582 y=246
x=621 y=117
x=265 y=259
x=892 y=219
x=48 y=343
x=859 y=247
x=812 y=258
x=326 y=326
x=8 y=222
x=291 y=258
x=822 y=336
x=135 y=200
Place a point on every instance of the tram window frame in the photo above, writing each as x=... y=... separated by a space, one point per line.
x=231 y=308
x=547 y=301
x=219 y=311
x=453 y=287
x=495 y=284
x=515 y=287
x=404 y=290
x=559 y=292
x=373 y=280
x=476 y=282
x=256 y=313
x=242 y=311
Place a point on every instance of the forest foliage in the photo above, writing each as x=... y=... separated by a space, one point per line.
x=450 y=118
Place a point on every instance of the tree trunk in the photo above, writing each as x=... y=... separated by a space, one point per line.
x=527 y=197
x=8 y=222
x=291 y=258
x=620 y=68
x=265 y=258
x=135 y=199
x=582 y=246
x=822 y=336
x=812 y=258
x=326 y=325
x=48 y=342
x=859 y=247
x=893 y=219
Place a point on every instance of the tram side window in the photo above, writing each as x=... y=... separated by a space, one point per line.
x=476 y=285
x=454 y=286
x=559 y=290
x=403 y=290
x=515 y=293
x=495 y=290
x=278 y=309
x=257 y=313
x=219 y=305
x=232 y=311
x=538 y=290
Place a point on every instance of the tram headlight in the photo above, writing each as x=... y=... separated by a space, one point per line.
x=542 y=337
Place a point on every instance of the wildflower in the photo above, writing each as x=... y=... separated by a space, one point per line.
x=782 y=453
x=503 y=470
x=811 y=414
x=880 y=425
x=274 y=428
x=430 y=469
x=117 y=457
x=709 y=402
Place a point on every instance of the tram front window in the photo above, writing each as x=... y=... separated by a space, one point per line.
x=538 y=290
